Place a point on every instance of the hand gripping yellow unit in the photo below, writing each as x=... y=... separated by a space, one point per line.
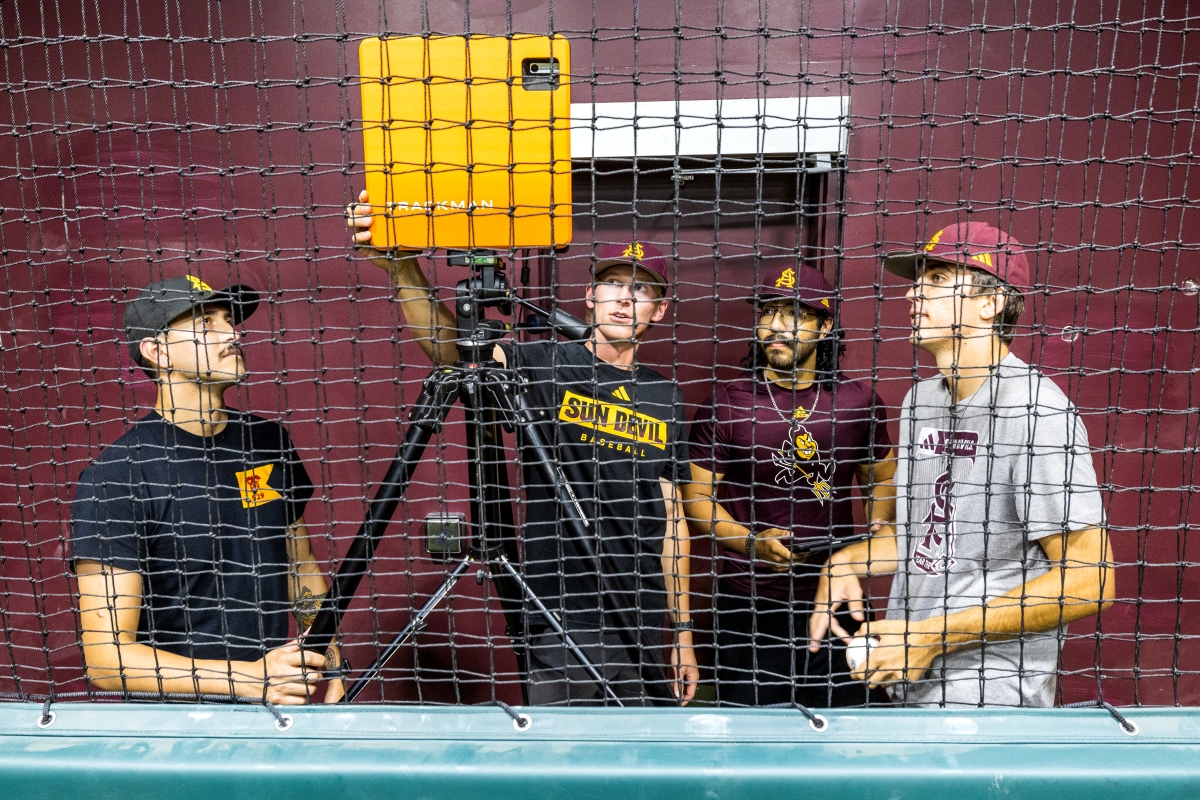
x=467 y=140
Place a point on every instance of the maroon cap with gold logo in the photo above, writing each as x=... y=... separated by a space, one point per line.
x=642 y=255
x=971 y=244
x=805 y=284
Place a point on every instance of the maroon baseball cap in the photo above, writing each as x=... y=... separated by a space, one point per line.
x=971 y=244
x=805 y=284
x=642 y=255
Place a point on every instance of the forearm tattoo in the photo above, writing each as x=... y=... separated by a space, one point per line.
x=307 y=606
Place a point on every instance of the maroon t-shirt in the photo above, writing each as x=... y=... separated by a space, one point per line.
x=787 y=469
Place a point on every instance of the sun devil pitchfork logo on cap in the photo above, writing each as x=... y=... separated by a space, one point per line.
x=970 y=244
x=634 y=250
x=802 y=283
x=197 y=284
x=642 y=255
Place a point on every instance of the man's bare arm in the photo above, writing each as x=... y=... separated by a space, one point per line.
x=841 y=581
x=110 y=605
x=676 y=568
x=308 y=588
x=877 y=482
x=430 y=321
x=1081 y=583
x=706 y=514
x=307 y=591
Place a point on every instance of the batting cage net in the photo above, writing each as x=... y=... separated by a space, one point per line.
x=750 y=308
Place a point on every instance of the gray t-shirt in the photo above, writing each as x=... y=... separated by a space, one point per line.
x=977 y=484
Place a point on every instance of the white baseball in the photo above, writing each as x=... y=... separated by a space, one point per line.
x=858 y=649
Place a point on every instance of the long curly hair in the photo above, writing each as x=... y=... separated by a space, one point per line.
x=829 y=350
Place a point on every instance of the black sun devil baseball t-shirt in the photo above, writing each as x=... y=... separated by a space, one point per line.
x=615 y=433
x=204 y=520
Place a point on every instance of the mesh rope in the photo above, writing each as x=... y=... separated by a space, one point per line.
x=148 y=140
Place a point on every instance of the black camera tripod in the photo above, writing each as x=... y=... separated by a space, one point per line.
x=492 y=396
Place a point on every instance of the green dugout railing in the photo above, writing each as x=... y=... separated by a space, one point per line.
x=179 y=752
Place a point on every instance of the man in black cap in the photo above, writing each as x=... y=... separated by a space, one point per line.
x=774 y=458
x=187 y=534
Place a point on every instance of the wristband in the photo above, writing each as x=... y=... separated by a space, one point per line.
x=683 y=626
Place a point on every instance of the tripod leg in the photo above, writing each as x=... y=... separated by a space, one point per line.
x=427 y=414
x=414 y=624
x=557 y=627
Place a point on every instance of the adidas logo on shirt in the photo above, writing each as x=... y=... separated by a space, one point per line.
x=621 y=394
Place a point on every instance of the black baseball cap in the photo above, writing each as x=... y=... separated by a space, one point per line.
x=148 y=314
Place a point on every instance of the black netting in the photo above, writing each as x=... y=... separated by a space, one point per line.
x=146 y=141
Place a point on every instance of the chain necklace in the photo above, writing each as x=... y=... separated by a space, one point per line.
x=799 y=413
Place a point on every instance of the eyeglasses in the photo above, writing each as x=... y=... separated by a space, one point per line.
x=789 y=315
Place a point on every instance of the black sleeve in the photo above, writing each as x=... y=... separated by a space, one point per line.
x=298 y=487
x=529 y=355
x=509 y=354
x=678 y=471
x=106 y=516
x=536 y=364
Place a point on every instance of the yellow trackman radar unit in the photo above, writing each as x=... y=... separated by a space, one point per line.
x=467 y=140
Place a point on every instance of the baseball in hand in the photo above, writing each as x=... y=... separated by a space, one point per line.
x=858 y=649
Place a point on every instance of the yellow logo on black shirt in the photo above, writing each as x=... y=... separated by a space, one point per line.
x=612 y=419
x=621 y=394
x=254 y=488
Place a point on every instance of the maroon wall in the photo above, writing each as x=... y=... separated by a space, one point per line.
x=146 y=139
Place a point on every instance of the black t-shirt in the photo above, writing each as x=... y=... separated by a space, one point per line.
x=204 y=520
x=615 y=433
